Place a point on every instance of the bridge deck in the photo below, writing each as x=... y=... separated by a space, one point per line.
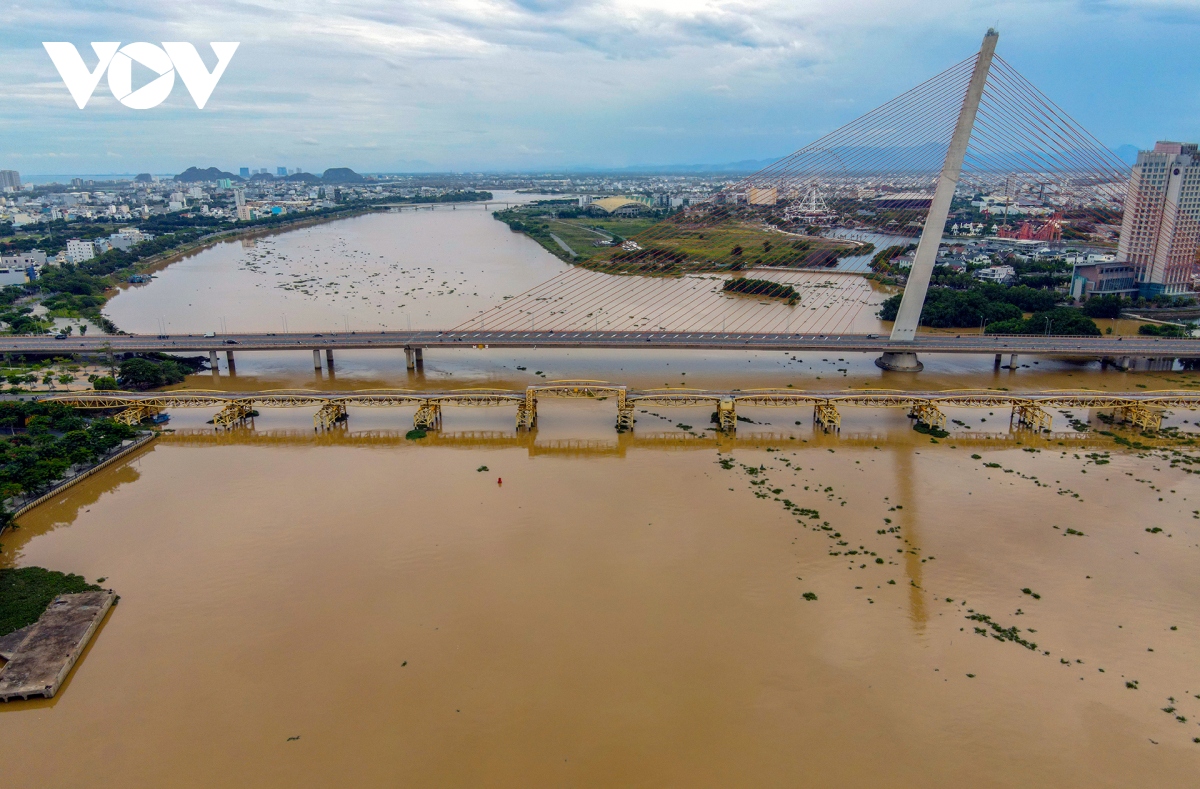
x=868 y=343
x=968 y=398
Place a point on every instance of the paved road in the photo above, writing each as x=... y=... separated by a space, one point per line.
x=867 y=343
x=850 y=397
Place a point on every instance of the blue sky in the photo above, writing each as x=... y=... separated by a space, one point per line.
x=539 y=84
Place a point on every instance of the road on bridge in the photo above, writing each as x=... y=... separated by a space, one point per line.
x=733 y=341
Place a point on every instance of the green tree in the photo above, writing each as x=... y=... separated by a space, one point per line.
x=1104 y=306
x=138 y=373
x=1059 y=321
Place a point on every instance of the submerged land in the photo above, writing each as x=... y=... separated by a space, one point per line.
x=571 y=606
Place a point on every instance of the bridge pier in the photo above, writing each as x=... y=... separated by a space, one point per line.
x=409 y=359
x=316 y=360
x=1138 y=415
x=899 y=362
x=996 y=364
x=428 y=416
x=727 y=415
x=527 y=411
x=329 y=359
x=329 y=414
x=212 y=360
x=928 y=414
x=229 y=361
x=1012 y=362
x=1031 y=416
x=826 y=415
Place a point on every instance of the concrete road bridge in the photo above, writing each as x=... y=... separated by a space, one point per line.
x=1121 y=351
x=1142 y=409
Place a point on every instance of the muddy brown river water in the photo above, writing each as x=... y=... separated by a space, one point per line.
x=662 y=608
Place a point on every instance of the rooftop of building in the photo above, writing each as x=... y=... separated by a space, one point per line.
x=611 y=204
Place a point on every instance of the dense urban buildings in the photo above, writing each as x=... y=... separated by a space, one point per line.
x=1160 y=231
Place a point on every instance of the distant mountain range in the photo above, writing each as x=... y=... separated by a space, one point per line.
x=744 y=166
x=344 y=175
x=334 y=175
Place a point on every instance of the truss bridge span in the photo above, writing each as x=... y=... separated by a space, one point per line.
x=1141 y=408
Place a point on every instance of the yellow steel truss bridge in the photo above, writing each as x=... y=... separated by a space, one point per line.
x=1143 y=409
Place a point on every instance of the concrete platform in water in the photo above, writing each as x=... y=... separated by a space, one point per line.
x=39 y=663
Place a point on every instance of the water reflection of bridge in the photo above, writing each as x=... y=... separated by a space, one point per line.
x=617 y=446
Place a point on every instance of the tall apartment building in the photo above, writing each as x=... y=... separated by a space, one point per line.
x=79 y=251
x=10 y=179
x=1160 y=231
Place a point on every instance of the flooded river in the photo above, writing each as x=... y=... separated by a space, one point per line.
x=574 y=607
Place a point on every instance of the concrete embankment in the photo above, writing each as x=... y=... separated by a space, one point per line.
x=125 y=450
x=40 y=662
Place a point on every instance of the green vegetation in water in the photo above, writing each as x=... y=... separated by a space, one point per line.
x=762 y=287
x=810 y=596
x=26 y=592
x=414 y=434
x=929 y=430
x=1000 y=633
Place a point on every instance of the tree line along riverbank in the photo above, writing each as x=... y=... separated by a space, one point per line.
x=41 y=442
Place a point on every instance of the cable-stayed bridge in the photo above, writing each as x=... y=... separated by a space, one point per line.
x=976 y=150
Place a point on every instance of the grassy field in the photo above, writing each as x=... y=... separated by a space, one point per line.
x=671 y=245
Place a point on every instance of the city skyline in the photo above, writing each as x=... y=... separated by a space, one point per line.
x=516 y=87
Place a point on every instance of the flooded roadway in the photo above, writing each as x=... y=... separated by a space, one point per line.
x=584 y=609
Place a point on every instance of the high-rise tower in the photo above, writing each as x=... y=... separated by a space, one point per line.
x=1160 y=231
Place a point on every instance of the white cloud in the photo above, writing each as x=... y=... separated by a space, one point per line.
x=477 y=83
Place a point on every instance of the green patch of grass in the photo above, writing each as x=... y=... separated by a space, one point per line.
x=25 y=592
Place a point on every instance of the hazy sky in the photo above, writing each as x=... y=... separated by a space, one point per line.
x=532 y=84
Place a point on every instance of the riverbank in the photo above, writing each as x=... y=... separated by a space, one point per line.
x=74 y=476
x=82 y=290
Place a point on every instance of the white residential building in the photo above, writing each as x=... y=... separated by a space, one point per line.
x=79 y=251
x=1002 y=275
